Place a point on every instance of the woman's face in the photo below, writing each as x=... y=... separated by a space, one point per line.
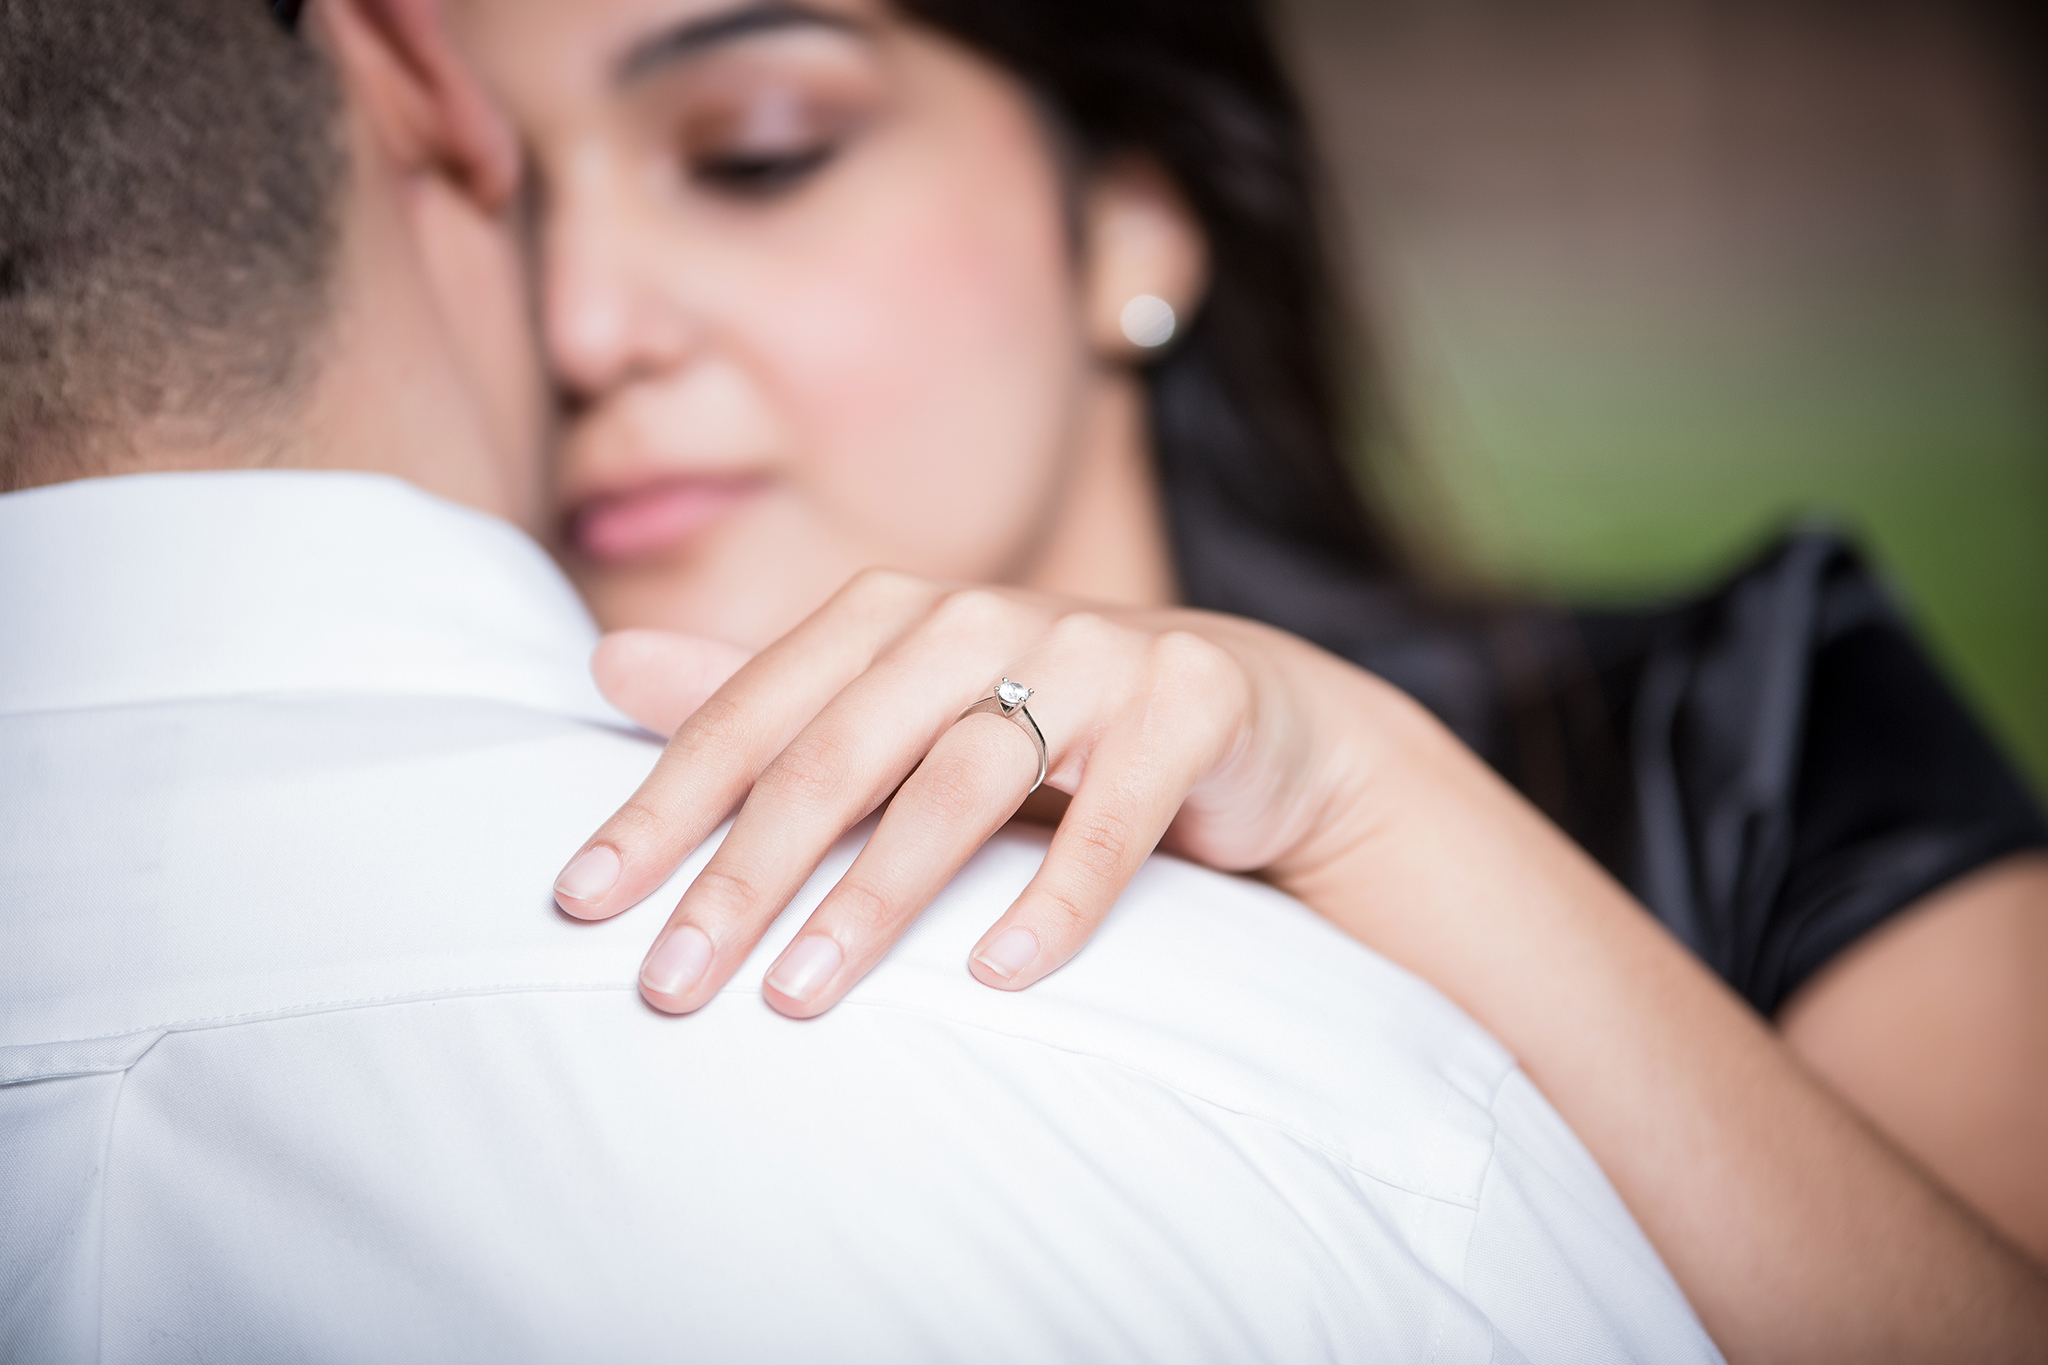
x=808 y=292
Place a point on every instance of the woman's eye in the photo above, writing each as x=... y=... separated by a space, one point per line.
x=760 y=174
x=765 y=142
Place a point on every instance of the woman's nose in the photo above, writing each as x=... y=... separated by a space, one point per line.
x=609 y=313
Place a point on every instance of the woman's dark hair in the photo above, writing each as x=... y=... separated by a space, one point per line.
x=1257 y=409
x=1253 y=409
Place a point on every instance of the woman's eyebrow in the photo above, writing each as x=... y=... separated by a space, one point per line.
x=692 y=37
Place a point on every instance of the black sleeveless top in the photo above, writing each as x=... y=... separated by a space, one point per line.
x=1774 y=768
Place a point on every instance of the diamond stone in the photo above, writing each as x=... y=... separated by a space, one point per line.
x=1012 y=694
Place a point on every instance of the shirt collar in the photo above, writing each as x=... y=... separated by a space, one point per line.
x=160 y=587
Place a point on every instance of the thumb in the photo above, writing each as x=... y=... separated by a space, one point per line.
x=659 y=677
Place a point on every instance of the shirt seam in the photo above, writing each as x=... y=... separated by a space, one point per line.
x=567 y=713
x=1281 y=1126
x=1472 y=1233
x=99 y=1326
x=200 y=1023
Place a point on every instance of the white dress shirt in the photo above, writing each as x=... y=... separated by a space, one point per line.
x=299 y=1063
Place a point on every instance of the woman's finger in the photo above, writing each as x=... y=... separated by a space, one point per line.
x=730 y=739
x=843 y=765
x=1138 y=775
x=660 y=678
x=968 y=786
x=971 y=783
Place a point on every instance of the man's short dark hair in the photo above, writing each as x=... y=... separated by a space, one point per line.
x=170 y=172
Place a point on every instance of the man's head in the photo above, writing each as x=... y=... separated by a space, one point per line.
x=225 y=246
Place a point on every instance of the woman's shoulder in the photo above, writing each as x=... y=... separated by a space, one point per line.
x=1798 y=768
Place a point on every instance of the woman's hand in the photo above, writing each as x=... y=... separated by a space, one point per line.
x=1237 y=745
x=1797 y=1232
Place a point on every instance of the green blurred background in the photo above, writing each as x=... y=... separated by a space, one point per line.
x=1652 y=281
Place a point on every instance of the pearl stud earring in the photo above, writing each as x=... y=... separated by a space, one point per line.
x=1148 y=322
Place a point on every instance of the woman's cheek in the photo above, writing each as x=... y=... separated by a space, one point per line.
x=933 y=375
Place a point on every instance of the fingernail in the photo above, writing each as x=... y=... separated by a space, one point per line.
x=677 y=961
x=1011 y=953
x=806 y=967
x=589 y=875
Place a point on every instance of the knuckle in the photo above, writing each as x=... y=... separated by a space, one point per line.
x=1191 y=668
x=1100 y=845
x=717 y=733
x=878 y=592
x=725 y=887
x=1064 y=915
x=812 y=771
x=1085 y=632
x=951 y=788
x=879 y=581
x=638 y=823
x=1184 y=652
x=970 y=611
x=863 y=906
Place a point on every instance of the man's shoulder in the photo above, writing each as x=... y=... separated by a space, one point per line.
x=322 y=927
x=1232 y=994
x=287 y=853
x=315 y=854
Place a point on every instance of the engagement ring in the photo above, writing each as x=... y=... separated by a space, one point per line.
x=1008 y=701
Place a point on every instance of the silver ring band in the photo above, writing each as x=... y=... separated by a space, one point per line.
x=995 y=705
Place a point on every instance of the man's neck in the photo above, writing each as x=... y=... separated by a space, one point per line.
x=389 y=394
x=428 y=372
x=425 y=370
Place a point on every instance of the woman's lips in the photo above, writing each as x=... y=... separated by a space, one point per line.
x=656 y=517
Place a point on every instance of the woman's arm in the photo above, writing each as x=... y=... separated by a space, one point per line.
x=1796 y=1230
x=1935 y=1028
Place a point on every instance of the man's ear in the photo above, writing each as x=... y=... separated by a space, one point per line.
x=401 y=69
x=1145 y=260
